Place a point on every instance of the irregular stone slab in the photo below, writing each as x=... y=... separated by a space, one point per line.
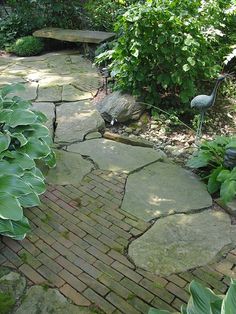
x=119 y=107
x=48 y=109
x=70 y=169
x=75 y=120
x=47 y=301
x=9 y=79
x=164 y=189
x=70 y=93
x=113 y=156
x=181 y=242
x=230 y=207
x=74 y=35
x=49 y=93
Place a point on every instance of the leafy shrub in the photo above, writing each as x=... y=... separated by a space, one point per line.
x=205 y=301
x=103 y=13
x=210 y=159
x=27 y=46
x=166 y=47
x=23 y=139
x=30 y=15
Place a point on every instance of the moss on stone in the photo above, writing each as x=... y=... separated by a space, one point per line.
x=6 y=302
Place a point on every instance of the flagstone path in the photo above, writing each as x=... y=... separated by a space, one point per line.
x=120 y=228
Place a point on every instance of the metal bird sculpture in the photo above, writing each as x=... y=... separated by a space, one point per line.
x=203 y=102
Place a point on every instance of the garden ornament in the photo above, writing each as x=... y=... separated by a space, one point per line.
x=203 y=102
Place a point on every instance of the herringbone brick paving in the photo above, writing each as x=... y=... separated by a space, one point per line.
x=78 y=245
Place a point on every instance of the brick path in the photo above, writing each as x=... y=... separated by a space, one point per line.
x=78 y=244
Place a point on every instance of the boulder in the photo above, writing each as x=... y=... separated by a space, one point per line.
x=120 y=107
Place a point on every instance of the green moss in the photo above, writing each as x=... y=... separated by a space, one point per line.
x=65 y=234
x=24 y=258
x=27 y=46
x=6 y=302
x=46 y=218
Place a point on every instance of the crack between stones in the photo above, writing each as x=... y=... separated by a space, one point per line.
x=54 y=123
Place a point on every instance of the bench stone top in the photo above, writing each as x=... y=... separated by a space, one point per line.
x=71 y=35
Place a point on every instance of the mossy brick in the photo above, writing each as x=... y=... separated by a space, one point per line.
x=73 y=228
x=177 y=303
x=119 y=223
x=225 y=267
x=45 y=227
x=210 y=271
x=121 y=258
x=109 y=204
x=88 y=220
x=51 y=264
x=69 y=266
x=46 y=249
x=72 y=280
x=94 y=242
x=52 y=196
x=121 y=304
x=111 y=243
x=30 y=273
x=126 y=271
x=92 y=231
x=107 y=232
x=65 y=206
x=160 y=304
x=139 y=305
x=102 y=193
x=137 y=290
x=99 y=255
x=59 y=236
x=121 y=232
x=75 y=296
x=29 y=259
x=100 y=220
x=177 y=280
x=65 y=190
x=231 y=258
x=12 y=257
x=63 y=251
x=2 y=259
x=177 y=291
x=93 y=284
x=12 y=244
x=51 y=277
x=157 y=289
x=99 y=301
x=88 y=268
x=78 y=241
x=135 y=232
x=44 y=236
x=83 y=254
x=122 y=241
x=88 y=191
x=113 y=212
x=108 y=270
x=210 y=280
x=115 y=286
x=60 y=195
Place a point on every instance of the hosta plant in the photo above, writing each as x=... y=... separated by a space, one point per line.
x=23 y=140
x=205 y=301
x=210 y=160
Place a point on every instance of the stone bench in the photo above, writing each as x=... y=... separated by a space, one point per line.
x=82 y=36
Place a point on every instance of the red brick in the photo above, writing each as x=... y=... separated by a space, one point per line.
x=30 y=273
x=72 y=280
x=68 y=265
x=99 y=301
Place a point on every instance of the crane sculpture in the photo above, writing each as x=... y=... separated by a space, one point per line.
x=204 y=102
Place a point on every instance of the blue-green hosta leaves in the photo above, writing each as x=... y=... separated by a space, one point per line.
x=5 y=140
x=13 y=185
x=10 y=207
x=36 y=149
x=29 y=200
x=36 y=183
x=213 y=184
x=228 y=190
x=17 y=117
x=229 y=302
x=15 y=229
x=23 y=139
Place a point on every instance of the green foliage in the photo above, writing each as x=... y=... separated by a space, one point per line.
x=6 y=302
x=27 y=46
x=210 y=158
x=166 y=47
x=23 y=139
x=103 y=13
x=30 y=15
x=205 y=301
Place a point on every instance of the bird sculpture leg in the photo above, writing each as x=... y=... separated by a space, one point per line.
x=199 y=129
